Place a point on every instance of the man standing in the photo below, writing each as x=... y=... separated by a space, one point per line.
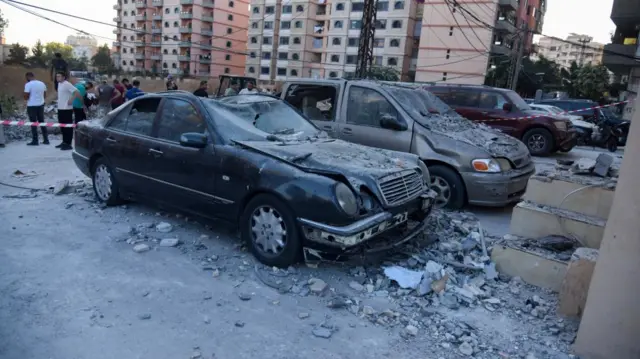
x=79 y=112
x=35 y=92
x=118 y=94
x=126 y=84
x=250 y=89
x=67 y=93
x=232 y=90
x=171 y=85
x=58 y=64
x=105 y=94
x=202 y=90
x=134 y=91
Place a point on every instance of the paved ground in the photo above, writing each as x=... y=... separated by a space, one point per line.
x=71 y=287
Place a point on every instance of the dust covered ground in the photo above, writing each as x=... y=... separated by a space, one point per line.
x=79 y=280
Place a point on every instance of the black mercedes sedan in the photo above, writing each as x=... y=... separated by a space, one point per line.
x=257 y=162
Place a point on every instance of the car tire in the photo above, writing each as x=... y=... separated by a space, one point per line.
x=539 y=141
x=612 y=144
x=105 y=185
x=443 y=180
x=278 y=220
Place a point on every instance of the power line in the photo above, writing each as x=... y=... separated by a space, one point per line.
x=451 y=8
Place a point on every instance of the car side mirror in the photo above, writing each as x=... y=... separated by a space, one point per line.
x=193 y=140
x=391 y=122
x=507 y=107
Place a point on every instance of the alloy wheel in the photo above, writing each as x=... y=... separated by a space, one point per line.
x=268 y=230
x=442 y=189
x=103 y=182
x=536 y=142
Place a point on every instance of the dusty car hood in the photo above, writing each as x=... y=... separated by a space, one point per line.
x=359 y=164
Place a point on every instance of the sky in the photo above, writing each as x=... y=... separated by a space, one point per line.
x=562 y=17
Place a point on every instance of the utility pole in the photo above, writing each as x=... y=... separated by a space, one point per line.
x=524 y=28
x=583 y=44
x=367 y=34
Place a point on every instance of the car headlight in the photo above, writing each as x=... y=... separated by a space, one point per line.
x=560 y=125
x=346 y=199
x=425 y=172
x=491 y=165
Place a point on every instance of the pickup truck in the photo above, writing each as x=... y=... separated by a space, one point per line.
x=468 y=162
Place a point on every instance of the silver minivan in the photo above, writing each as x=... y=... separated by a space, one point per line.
x=468 y=162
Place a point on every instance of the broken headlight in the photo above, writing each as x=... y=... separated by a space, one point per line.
x=346 y=199
x=425 y=172
x=491 y=165
x=560 y=125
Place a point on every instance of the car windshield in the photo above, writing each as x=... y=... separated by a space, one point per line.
x=556 y=110
x=259 y=118
x=426 y=108
x=517 y=101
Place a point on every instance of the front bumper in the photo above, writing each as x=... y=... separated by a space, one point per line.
x=497 y=189
x=82 y=163
x=567 y=140
x=353 y=237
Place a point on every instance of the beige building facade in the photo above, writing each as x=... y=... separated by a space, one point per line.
x=583 y=50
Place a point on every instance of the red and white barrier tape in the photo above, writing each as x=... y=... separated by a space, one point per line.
x=36 y=124
x=549 y=114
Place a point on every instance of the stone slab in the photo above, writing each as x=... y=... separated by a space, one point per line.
x=575 y=286
x=532 y=267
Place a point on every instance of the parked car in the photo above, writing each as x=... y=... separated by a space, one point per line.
x=468 y=163
x=576 y=107
x=256 y=162
x=505 y=110
x=576 y=120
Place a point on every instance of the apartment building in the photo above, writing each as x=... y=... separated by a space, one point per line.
x=83 y=45
x=583 y=50
x=198 y=38
x=318 y=39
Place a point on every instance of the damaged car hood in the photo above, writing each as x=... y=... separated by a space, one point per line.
x=358 y=164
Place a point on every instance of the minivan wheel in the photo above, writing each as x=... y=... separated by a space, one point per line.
x=539 y=141
x=105 y=185
x=448 y=187
x=268 y=227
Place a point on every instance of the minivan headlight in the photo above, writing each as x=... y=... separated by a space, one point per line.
x=346 y=199
x=490 y=165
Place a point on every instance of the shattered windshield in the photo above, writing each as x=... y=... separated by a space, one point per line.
x=256 y=117
x=428 y=109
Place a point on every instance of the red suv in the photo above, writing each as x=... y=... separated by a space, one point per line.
x=507 y=111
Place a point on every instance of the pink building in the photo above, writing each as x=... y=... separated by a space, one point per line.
x=198 y=38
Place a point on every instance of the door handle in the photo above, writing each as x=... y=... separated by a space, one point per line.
x=328 y=128
x=155 y=153
x=111 y=140
x=347 y=131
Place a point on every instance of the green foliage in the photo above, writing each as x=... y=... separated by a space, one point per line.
x=38 y=55
x=51 y=48
x=9 y=106
x=17 y=54
x=592 y=82
x=4 y=23
x=102 y=59
x=80 y=64
x=383 y=73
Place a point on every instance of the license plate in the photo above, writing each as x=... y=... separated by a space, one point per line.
x=394 y=221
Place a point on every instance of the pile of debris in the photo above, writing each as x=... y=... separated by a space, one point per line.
x=599 y=172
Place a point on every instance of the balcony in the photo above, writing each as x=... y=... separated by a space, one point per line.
x=139 y=56
x=157 y=17
x=184 y=44
x=503 y=24
x=186 y=15
x=117 y=7
x=117 y=19
x=207 y=3
x=141 y=43
x=206 y=46
x=207 y=18
x=156 y=57
x=156 y=30
x=186 y=2
x=116 y=43
x=205 y=61
x=141 y=4
x=184 y=58
x=620 y=64
x=509 y=4
x=186 y=30
x=625 y=12
x=141 y=17
x=156 y=44
x=206 y=32
x=157 y=3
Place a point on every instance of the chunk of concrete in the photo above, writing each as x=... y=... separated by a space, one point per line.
x=533 y=268
x=575 y=286
x=532 y=221
x=583 y=166
x=603 y=163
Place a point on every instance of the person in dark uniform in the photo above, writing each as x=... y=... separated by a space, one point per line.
x=58 y=64
x=202 y=90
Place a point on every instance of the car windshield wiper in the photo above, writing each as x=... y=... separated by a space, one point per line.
x=284 y=131
x=300 y=157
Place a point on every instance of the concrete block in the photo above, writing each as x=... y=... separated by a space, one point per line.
x=531 y=221
x=575 y=286
x=592 y=201
x=532 y=267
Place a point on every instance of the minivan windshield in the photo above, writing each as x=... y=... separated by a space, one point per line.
x=517 y=101
x=258 y=118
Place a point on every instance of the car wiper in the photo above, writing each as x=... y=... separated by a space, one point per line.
x=255 y=119
x=284 y=131
x=300 y=157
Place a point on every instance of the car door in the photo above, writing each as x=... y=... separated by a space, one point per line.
x=361 y=112
x=491 y=105
x=317 y=102
x=127 y=143
x=465 y=102
x=184 y=176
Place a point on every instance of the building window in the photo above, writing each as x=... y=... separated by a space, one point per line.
x=165 y=51
x=227 y=57
x=268 y=25
x=166 y=38
x=166 y=24
x=227 y=70
x=383 y=6
x=357 y=6
x=451 y=31
x=296 y=41
x=269 y=10
x=355 y=24
x=392 y=61
x=333 y=74
x=381 y=24
x=124 y=63
x=254 y=25
x=124 y=26
x=298 y=24
x=256 y=10
x=231 y=4
x=166 y=11
x=294 y=72
x=264 y=70
x=396 y=24
x=286 y=9
x=252 y=70
x=230 y=17
x=174 y=52
x=398 y=5
x=175 y=24
x=266 y=55
x=267 y=41
x=164 y=65
x=295 y=57
x=353 y=42
x=176 y=10
x=254 y=40
x=125 y=13
x=284 y=40
x=175 y=37
x=339 y=6
x=282 y=56
x=352 y=59
x=282 y=71
x=229 y=30
x=394 y=43
x=124 y=50
x=285 y=25
x=377 y=60
x=130 y=63
x=337 y=24
x=299 y=8
x=174 y=66
x=335 y=58
x=336 y=41
x=252 y=55
x=228 y=44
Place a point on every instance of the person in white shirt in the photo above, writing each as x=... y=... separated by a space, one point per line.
x=250 y=89
x=66 y=94
x=35 y=92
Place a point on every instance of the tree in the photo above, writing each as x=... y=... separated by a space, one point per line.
x=569 y=79
x=383 y=73
x=75 y=64
x=50 y=48
x=4 y=23
x=102 y=59
x=38 y=55
x=17 y=54
x=592 y=81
